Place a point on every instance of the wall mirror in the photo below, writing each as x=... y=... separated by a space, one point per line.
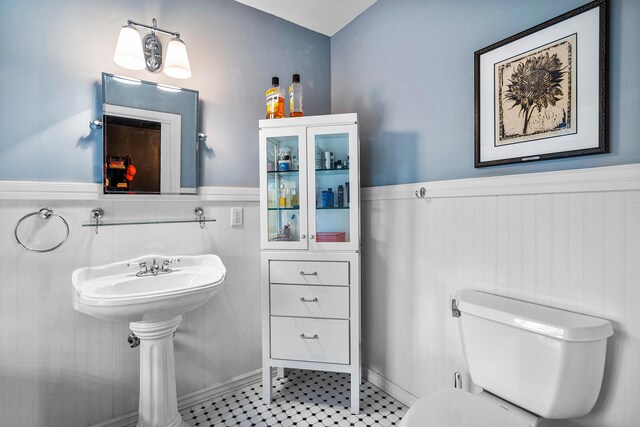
x=150 y=139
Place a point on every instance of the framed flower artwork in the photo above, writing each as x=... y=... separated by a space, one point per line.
x=542 y=94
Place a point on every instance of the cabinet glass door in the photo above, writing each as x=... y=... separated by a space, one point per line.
x=283 y=189
x=333 y=183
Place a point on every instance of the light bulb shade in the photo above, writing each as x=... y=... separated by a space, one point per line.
x=176 y=63
x=129 y=49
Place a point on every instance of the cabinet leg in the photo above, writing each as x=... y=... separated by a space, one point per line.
x=281 y=373
x=266 y=385
x=355 y=392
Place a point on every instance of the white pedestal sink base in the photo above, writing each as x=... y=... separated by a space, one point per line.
x=158 y=405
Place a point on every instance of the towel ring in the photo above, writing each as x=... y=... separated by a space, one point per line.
x=44 y=213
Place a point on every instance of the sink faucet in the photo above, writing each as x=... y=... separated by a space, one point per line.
x=155 y=269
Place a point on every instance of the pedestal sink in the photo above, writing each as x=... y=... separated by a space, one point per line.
x=150 y=292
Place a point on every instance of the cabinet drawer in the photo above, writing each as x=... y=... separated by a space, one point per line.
x=327 y=339
x=310 y=272
x=310 y=301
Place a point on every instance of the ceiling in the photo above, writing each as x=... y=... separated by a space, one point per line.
x=324 y=16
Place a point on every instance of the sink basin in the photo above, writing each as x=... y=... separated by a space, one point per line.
x=153 y=304
x=114 y=292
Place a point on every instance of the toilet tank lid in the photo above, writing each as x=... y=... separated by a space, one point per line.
x=560 y=324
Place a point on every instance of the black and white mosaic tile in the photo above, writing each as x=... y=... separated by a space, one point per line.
x=302 y=399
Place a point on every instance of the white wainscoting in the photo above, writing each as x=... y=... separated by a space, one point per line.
x=59 y=367
x=565 y=239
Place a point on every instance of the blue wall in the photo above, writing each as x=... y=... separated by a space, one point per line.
x=387 y=65
x=406 y=67
x=53 y=53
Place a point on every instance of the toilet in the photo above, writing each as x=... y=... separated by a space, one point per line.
x=532 y=362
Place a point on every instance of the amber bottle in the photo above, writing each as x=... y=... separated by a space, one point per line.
x=275 y=100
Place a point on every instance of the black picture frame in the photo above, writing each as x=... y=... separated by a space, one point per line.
x=578 y=36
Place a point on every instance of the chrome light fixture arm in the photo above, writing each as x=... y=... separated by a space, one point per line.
x=154 y=28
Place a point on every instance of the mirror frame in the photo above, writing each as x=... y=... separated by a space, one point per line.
x=187 y=150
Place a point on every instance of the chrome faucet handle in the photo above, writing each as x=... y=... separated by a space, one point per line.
x=142 y=265
x=167 y=262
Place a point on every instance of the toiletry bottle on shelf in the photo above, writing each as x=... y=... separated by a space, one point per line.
x=346 y=185
x=323 y=198
x=287 y=196
x=328 y=159
x=295 y=97
x=282 y=198
x=295 y=203
x=293 y=228
x=275 y=100
x=271 y=194
x=319 y=154
x=340 y=196
x=330 y=198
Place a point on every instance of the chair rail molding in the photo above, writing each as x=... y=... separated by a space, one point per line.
x=49 y=190
x=608 y=178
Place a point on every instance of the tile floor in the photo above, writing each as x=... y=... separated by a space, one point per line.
x=303 y=399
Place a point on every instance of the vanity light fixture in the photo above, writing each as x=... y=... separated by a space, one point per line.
x=135 y=53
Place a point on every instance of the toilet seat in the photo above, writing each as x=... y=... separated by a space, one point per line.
x=458 y=408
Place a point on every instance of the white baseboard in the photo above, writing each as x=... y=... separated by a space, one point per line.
x=609 y=178
x=388 y=386
x=190 y=399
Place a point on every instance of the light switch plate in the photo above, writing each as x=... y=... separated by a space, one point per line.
x=236 y=216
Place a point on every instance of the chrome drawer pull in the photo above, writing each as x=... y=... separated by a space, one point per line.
x=303 y=299
x=304 y=337
x=302 y=273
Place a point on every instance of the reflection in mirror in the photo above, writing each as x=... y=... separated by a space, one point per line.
x=150 y=137
x=146 y=143
x=127 y=139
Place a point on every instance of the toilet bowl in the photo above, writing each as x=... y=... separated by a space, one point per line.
x=532 y=361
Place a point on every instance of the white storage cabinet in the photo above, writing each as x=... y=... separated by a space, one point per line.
x=310 y=246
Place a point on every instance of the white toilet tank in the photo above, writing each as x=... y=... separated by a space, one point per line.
x=545 y=360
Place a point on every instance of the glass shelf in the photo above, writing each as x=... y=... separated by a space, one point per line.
x=160 y=221
x=97 y=215
x=284 y=209
x=343 y=171
x=336 y=208
x=291 y=171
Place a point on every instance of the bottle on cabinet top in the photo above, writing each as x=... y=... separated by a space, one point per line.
x=295 y=97
x=275 y=100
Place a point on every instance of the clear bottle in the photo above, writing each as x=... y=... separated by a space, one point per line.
x=282 y=198
x=271 y=195
x=295 y=97
x=295 y=201
x=275 y=100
